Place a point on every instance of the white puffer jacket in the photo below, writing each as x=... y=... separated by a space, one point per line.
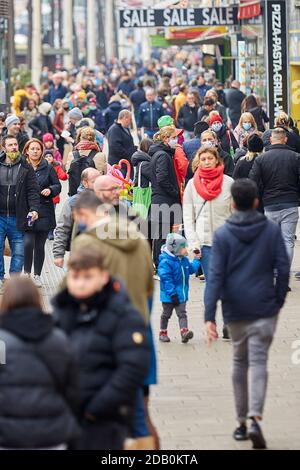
x=209 y=217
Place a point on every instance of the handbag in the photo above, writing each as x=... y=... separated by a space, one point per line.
x=141 y=197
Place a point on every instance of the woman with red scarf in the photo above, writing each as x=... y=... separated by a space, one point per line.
x=206 y=202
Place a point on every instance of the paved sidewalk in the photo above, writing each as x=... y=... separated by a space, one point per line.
x=192 y=406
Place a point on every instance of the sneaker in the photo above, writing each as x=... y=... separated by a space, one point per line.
x=256 y=436
x=226 y=336
x=37 y=281
x=240 y=433
x=297 y=275
x=163 y=337
x=186 y=335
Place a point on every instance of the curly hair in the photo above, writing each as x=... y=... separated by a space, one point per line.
x=86 y=133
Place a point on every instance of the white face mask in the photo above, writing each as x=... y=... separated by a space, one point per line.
x=217 y=126
x=173 y=142
x=208 y=144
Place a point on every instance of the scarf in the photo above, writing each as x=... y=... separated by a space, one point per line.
x=87 y=145
x=208 y=182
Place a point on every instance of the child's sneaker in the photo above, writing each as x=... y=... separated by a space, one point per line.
x=163 y=336
x=186 y=335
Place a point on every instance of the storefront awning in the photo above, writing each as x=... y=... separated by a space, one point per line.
x=249 y=9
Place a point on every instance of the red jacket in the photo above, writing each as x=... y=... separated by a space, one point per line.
x=62 y=175
x=180 y=164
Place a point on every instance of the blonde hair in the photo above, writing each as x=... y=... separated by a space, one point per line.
x=282 y=119
x=213 y=151
x=86 y=133
x=164 y=133
x=209 y=132
x=249 y=118
x=26 y=148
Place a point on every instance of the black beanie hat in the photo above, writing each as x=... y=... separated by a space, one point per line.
x=255 y=143
x=200 y=127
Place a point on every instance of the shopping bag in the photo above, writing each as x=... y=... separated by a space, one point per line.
x=141 y=198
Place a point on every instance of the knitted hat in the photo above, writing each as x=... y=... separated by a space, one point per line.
x=255 y=143
x=12 y=119
x=165 y=121
x=215 y=118
x=45 y=108
x=175 y=243
x=75 y=113
x=48 y=138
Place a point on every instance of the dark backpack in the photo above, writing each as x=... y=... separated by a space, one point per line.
x=77 y=166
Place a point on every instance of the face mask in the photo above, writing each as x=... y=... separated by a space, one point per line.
x=82 y=227
x=217 y=126
x=208 y=144
x=247 y=126
x=173 y=142
x=13 y=155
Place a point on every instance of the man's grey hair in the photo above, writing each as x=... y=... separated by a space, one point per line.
x=278 y=134
x=124 y=114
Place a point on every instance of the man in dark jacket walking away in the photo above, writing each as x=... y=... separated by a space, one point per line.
x=19 y=197
x=120 y=141
x=247 y=251
x=109 y=339
x=234 y=99
x=277 y=175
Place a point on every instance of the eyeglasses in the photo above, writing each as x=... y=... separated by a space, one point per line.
x=115 y=188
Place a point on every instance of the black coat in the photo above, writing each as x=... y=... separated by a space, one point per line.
x=187 y=117
x=109 y=340
x=225 y=141
x=41 y=125
x=277 y=175
x=143 y=158
x=27 y=193
x=38 y=383
x=163 y=177
x=234 y=99
x=260 y=118
x=120 y=144
x=46 y=178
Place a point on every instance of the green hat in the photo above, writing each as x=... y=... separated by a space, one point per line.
x=165 y=121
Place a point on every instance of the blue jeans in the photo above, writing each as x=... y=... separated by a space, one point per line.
x=8 y=228
x=287 y=220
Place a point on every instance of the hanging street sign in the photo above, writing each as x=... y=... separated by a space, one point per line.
x=149 y=18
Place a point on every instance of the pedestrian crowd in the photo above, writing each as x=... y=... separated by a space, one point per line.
x=168 y=175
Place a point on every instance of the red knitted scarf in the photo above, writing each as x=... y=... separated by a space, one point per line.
x=208 y=182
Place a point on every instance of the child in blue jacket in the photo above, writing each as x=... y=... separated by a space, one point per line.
x=174 y=270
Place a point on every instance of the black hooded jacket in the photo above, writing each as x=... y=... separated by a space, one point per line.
x=109 y=340
x=142 y=158
x=38 y=383
x=163 y=177
x=19 y=190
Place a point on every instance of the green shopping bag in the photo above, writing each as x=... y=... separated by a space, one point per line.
x=141 y=198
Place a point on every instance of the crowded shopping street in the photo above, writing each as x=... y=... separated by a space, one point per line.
x=149 y=228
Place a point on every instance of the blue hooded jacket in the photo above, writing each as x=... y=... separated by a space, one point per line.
x=174 y=273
